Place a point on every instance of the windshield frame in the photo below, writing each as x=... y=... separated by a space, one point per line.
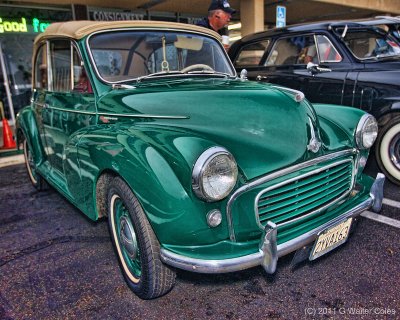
x=173 y=74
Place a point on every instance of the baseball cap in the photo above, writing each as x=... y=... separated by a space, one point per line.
x=222 y=5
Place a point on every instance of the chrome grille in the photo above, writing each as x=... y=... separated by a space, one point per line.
x=305 y=195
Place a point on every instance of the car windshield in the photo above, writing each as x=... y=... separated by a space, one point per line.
x=371 y=44
x=126 y=55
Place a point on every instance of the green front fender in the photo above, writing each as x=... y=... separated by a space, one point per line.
x=26 y=123
x=157 y=165
x=346 y=118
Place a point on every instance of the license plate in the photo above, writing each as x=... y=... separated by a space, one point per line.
x=330 y=239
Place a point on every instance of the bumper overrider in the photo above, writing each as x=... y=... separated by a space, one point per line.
x=269 y=251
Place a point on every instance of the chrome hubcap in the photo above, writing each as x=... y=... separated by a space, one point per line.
x=128 y=238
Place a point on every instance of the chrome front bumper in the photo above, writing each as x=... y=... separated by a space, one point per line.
x=269 y=251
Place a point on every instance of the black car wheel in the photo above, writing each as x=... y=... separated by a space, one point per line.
x=388 y=150
x=36 y=179
x=136 y=245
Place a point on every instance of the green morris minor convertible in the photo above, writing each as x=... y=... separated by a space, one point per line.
x=196 y=168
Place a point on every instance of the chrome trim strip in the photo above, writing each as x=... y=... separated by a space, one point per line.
x=134 y=115
x=71 y=111
x=125 y=115
x=299 y=96
x=274 y=175
x=311 y=173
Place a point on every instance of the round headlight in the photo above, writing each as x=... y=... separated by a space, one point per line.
x=367 y=131
x=214 y=174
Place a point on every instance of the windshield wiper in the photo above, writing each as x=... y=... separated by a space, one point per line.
x=210 y=72
x=159 y=74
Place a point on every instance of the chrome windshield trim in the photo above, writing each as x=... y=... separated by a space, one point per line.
x=169 y=29
x=316 y=171
x=274 y=175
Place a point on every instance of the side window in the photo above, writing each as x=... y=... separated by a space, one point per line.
x=41 y=81
x=81 y=81
x=60 y=56
x=326 y=50
x=251 y=54
x=290 y=51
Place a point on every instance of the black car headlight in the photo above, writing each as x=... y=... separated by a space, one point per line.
x=214 y=174
x=367 y=131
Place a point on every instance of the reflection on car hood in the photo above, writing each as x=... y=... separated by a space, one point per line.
x=263 y=127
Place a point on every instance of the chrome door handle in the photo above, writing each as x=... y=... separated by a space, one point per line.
x=259 y=78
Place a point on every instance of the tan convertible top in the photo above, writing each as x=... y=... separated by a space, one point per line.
x=80 y=29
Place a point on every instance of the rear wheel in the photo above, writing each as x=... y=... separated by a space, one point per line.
x=36 y=179
x=388 y=150
x=137 y=247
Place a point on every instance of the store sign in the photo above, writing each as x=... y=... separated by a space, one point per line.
x=39 y=26
x=21 y=26
x=116 y=16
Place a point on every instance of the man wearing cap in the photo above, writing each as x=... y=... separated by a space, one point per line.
x=219 y=14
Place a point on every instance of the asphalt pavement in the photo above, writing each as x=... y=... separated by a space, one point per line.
x=57 y=264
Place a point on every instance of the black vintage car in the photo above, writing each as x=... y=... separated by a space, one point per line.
x=353 y=63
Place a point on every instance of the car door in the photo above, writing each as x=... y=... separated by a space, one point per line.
x=70 y=108
x=331 y=78
x=307 y=62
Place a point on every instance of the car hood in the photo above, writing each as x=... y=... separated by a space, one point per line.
x=263 y=127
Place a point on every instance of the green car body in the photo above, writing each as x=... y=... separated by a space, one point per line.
x=138 y=149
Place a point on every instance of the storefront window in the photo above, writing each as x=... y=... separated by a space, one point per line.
x=18 y=28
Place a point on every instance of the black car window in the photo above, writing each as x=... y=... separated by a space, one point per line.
x=41 y=68
x=326 y=51
x=294 y=50
x=371 y=44
x=251 y=54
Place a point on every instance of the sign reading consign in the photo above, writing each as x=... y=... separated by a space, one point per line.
x=21 y=26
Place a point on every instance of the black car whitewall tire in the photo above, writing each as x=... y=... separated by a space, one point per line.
x=388 y=150
x=136 y=245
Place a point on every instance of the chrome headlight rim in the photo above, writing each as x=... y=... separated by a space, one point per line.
x=199 y=168
x=360 y=131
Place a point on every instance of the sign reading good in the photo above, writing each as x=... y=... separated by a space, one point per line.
x=21 y=26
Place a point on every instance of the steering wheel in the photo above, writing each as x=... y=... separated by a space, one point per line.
x=197 y=66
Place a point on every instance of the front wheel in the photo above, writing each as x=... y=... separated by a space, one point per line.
x=388 y=150
x=35 y=178
x=137 y=247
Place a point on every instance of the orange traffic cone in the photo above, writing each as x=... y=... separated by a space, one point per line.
x=8 y=139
